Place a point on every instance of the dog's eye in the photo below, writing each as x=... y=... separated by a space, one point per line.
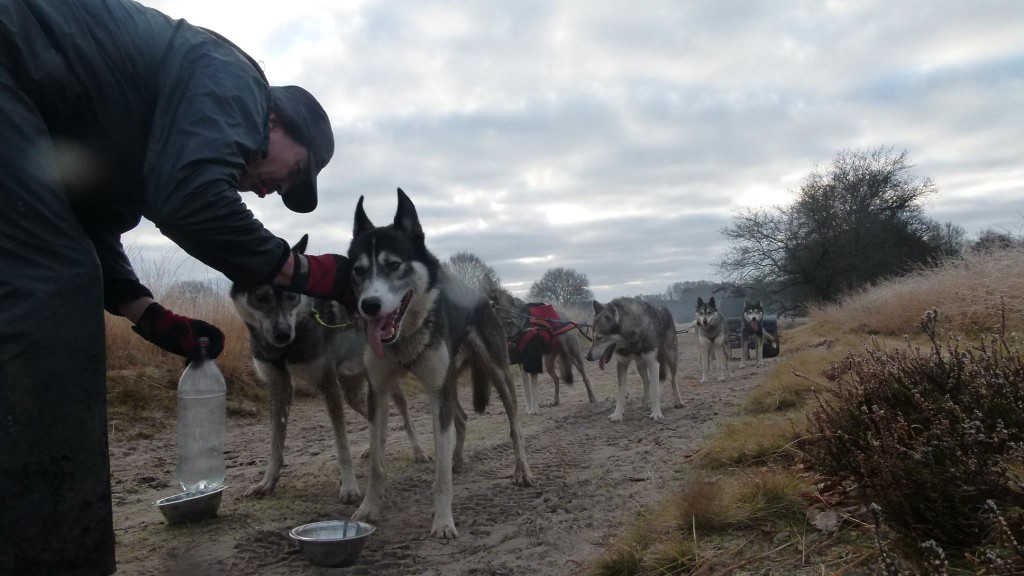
x=393 y=266
x=359 y=271
x=292 y=297
x=262 y=296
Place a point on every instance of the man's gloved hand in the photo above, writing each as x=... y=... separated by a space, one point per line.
x=178 y=334
x=326 y=276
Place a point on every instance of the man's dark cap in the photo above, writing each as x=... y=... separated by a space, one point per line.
x=307 y=123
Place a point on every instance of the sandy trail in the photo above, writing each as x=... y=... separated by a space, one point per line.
x=593 y=476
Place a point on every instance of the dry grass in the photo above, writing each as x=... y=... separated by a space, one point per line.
x=736 y=515
x=687 y=534
x=142 y=378
x=970 y=291
x=749 y=441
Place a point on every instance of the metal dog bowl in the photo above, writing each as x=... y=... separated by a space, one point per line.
x=332 y=543
x=189 y=507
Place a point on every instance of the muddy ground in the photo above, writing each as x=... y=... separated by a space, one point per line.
x=593 y=476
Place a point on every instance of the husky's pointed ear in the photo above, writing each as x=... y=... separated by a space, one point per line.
x=598 y=307
x=300 y=246
x=406 y=219
x=700 y=301
x=711 y=303
x=757 y=303
x=362 y=223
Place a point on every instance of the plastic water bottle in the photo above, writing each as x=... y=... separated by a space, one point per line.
x=201 y=423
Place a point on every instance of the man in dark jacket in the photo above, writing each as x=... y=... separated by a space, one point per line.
x=110 y=112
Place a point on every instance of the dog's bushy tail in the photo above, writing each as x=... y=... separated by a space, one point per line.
x=566 y=370
x=481 y=388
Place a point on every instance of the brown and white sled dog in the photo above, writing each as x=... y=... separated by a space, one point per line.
x=565 y=351
x=289 y=346
x=636 y=330
x=753 y=331
x=423 y=320
x=712 y=339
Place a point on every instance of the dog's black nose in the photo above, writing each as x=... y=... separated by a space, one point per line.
x=370 y=306
x=282 y=337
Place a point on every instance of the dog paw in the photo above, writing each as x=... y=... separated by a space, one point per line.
x=418 y=455
x=657 y=416
x=444 y=530
x=259 y=490
x=523 y=479
x=456 y=464
x=349 y=495
x=616 y=417
x=592 y=398
x=364 y=514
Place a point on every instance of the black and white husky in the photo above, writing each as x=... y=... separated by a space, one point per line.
x=288 y=345
x=636 y=330
x=423 y=320
x=753 y=331
x=712 y=339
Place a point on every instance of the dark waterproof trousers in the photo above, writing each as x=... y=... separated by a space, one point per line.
x=55 y=508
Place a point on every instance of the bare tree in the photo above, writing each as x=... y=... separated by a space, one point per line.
x=856 y=221
x=562 y=287
x=192 y=290
x=991 y=240
x=949 y=237
x=470 y=268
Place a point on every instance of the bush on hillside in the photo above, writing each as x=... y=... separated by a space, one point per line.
x=930 y=436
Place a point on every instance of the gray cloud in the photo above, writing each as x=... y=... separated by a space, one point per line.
x=617 y=138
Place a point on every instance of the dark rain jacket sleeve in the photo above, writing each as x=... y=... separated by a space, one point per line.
x=120 y=283
x=211 y=115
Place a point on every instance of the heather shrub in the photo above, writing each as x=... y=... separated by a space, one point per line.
x=929 y=435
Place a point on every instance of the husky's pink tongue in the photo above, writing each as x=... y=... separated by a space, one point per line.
x=754 y=323
x=373 y=335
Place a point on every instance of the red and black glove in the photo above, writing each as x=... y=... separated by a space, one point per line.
x=327 y=276
x=178 y=334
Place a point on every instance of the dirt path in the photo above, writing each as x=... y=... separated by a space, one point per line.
x=592 y=476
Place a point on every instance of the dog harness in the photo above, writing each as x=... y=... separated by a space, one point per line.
x=539 y=339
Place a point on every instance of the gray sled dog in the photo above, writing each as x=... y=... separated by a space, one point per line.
x=712 y=338
x=637 y=331
x=288 y=345
x=565 y=349
x=753 y=331
x=423 y=320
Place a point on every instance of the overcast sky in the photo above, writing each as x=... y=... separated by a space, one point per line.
x=618 y=138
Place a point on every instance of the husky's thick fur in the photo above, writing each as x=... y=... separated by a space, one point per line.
x=636 y=330
x=288 y=345
x=423 y=320
x=566 y=348
x=753 y=331
x=712 y=338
